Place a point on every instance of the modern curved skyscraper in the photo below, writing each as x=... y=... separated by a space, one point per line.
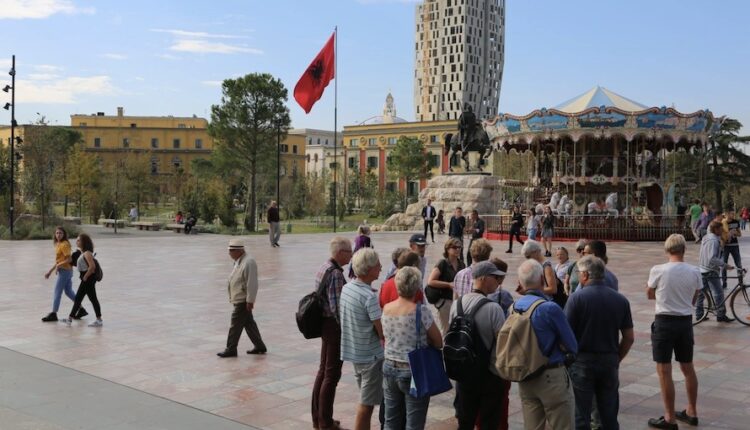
x=459 y=55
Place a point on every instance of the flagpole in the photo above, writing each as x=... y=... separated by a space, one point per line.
x=335 y=124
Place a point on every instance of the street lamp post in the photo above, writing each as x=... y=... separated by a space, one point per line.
x=12 y=106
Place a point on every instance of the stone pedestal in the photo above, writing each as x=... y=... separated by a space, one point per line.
x=468 y=190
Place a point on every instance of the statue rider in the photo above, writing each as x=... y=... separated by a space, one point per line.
x=466 y=124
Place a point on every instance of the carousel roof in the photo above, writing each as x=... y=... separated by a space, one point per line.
x=597 y=97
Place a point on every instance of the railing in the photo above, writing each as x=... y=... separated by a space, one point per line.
x=603 y=227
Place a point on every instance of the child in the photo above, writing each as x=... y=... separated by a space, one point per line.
x=440 y=220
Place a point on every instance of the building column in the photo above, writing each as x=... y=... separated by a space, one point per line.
x=362 y=163
x=381 y=169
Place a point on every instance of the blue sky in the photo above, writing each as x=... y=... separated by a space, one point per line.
x=168 y=57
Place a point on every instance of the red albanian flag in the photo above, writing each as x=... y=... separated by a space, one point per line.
x=314 y=81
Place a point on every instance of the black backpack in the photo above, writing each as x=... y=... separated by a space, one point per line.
x=309 y=314
x=464 y=354
x=98 y=272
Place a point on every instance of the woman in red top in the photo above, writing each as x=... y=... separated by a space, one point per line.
x=388 y=292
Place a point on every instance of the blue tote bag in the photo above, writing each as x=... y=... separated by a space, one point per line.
x=428 y=377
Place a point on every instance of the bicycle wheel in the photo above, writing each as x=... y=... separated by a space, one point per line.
x=707 y=302
x=740 y=304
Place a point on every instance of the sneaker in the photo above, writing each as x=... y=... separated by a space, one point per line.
x=724 y=319
x=685 y=418
x=510 y=251
x=80 y=314
x=51 y=317
x=67 y=321
x=97 y=323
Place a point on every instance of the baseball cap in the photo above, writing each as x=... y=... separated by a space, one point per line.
x=485 y=268
x=418 y=239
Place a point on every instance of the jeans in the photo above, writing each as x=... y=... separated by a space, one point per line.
x=712 y=282
x=595 y=376
x=400 y=406
x=532 y=234
x=329 y=374
x=64 y=283
x=734 y=251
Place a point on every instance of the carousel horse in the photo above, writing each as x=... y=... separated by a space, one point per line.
x=554 y=201
x=479 y=142
x=611 y=204
x=564 y=206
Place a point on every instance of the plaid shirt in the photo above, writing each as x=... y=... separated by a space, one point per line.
x=463 y=282
x=336 y=282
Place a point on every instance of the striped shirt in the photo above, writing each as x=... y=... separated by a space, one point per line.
x=359 y=308
x=463 y=282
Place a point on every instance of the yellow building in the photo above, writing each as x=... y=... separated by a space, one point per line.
x=172 y=143
x=293 y=155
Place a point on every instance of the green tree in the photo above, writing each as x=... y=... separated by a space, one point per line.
x=140 y=182
x=409 y=160
x=245 y=126
x=44 y=150
x=728 y=163
x=315 y=196
x=82 y=178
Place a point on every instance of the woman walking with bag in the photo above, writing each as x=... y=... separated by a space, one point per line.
x=87 y=268
x=64 y=270
x=400 y=327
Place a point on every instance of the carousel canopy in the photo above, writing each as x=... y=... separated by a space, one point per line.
x=596 y=97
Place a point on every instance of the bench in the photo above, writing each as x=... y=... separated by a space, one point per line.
x=146 y=225
x=179 y=228
x=72 y=219
x=109 y=222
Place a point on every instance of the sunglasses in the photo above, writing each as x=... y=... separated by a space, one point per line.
x=455 y=247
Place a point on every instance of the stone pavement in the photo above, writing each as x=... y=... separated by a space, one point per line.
x=166 y=314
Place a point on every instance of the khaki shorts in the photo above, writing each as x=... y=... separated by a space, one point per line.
x=370 y=382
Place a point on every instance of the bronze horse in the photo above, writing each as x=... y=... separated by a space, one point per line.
x=479 y=142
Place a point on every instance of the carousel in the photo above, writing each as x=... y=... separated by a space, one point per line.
x=603 y=154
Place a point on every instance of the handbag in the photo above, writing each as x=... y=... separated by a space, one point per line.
x=428 y=377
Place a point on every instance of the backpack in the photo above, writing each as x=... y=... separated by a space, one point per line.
x=309 y=314
x=517 y=354
x=98 y=272
x=464 y=354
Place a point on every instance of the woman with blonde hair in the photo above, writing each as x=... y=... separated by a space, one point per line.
x=64 y=269
x=439 y=290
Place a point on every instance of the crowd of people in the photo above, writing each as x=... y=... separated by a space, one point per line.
x=581 y=322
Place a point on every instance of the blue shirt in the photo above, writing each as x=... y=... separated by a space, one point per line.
x=596 y=315
x=358 y=310
x=551 y=327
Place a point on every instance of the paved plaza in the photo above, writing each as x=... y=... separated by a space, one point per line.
x=166 y=314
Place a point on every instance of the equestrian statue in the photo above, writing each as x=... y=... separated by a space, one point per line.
x=471 y=138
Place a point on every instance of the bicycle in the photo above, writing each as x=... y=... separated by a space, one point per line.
x=738 y=298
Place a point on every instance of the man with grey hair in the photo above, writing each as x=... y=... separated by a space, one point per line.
x=330 y=276
x=598 y=315
x=481 y=394
x=362 y=334
x=548 y=396
x=674 y=285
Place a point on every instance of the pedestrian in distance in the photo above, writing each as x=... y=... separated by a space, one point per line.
x=674 y=286
x=87 y=268
x=361 y=241
x=440 y=221
x=711 y=265
x=548 y=230
x=428 y=216
x=63 y=267
x=730 y=232
x=243 y=290
x=477 y=232
x=516 y=223
x=418 y=244
x=456 y=226
x=274 y=227
x=532 y=225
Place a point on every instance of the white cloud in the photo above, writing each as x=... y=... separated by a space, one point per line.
x=118 y=57
x=46 y=68
x=206 y=47
x=168 y=57
x=63 y=91
x=43 y=76
x=196 y=34
x=212 y=83
x=38 y=9
x=205 y=43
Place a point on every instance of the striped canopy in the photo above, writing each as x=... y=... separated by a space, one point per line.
x=599 y=96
